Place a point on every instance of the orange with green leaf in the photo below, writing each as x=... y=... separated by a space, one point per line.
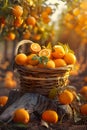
x=47 y=56
x=22 y=16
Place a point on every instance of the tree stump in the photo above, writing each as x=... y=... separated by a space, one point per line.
x=36 y=104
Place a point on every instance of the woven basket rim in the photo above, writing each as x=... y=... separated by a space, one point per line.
x=66 y=68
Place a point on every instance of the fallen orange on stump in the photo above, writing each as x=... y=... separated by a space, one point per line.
x=50 y=116
x=21 y=116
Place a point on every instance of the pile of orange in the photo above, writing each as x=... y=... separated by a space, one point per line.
x=43 y=57
x=9 y=80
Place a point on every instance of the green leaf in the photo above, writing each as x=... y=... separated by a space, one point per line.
x=21 y=125
x=35 y=57
x=76 y=116
x=43 y=60
x=53 y=93
x=5 y=4
x=49 y=46
x=56 y=4
x=66 y=47
x=43 y=47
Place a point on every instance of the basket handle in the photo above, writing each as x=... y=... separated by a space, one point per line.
x=20 y=44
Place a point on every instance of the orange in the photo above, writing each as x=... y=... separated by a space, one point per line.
x=70 y=58
x=83 y=90
x=26 y=35
x=14 y=83
x=29 y=66
x=17 y=11
x=21 y=116
x=9 y=74
x=50 y=64
x=73 y=92
x=10 y=83
x=11 y=36
x=45 y=52
x=44 y=15
x=41 y=65
x=18 y=22
x=85 y=79
x=46 y=20
x=31 y=21
x=2 y=22
x=35 y=47
x=76 y=11
x=32 y=61
x=20 y=59
x=48 y=10
x=66 y=97
x=50 y=116
x=59 y=63
x=83 y=5
x=84 y=40
x=69 y=25
x=83 y=109
x=37 y=37
x=3 y=100
x=81 y=18
x=58 y=52
x=68 y=17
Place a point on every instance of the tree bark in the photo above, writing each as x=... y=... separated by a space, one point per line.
x=5 y=58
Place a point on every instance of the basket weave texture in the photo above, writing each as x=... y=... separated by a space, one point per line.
x=41 y=80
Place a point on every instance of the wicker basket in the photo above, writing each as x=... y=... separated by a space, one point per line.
x=38 y=80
